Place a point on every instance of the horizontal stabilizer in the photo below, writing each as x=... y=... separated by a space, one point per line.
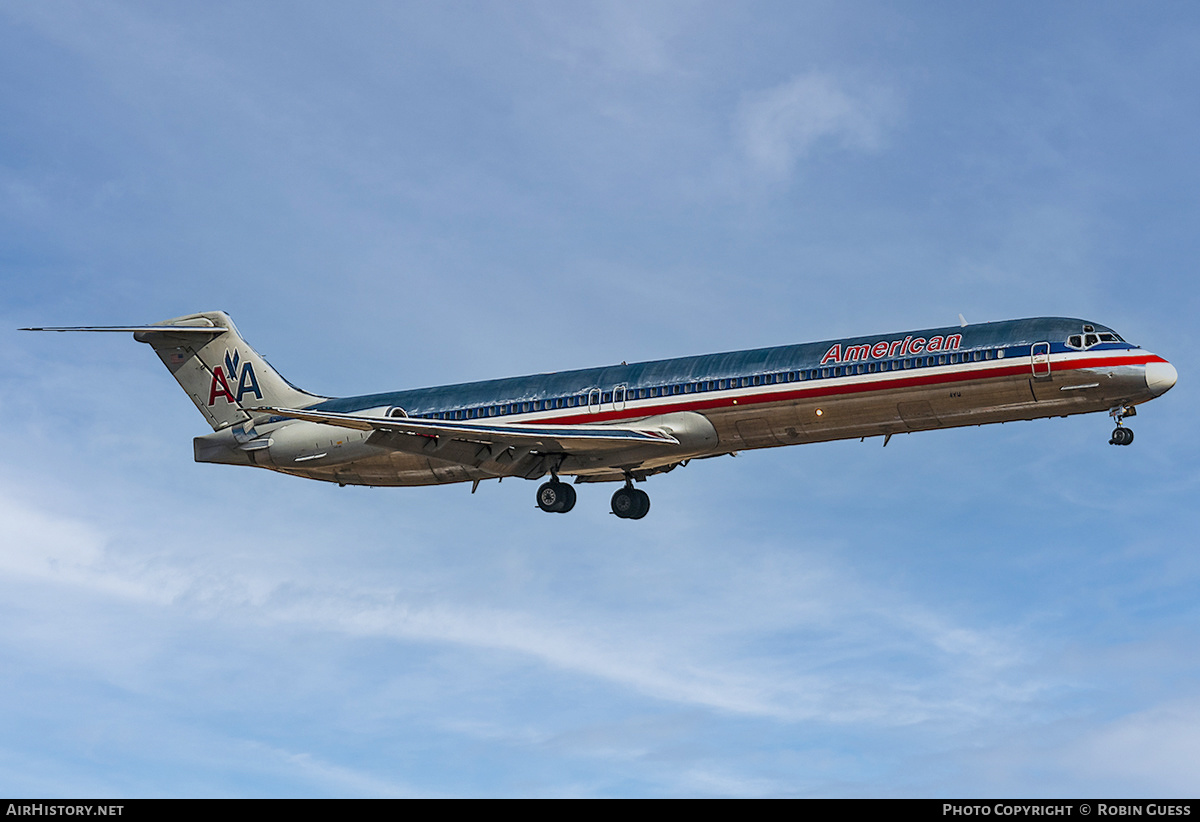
x=138 y=329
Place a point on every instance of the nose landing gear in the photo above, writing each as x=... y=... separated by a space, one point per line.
x=1121 y=435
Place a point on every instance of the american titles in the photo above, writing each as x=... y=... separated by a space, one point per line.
x=891 y=348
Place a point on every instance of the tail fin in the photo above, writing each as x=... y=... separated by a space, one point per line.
x=221 y=373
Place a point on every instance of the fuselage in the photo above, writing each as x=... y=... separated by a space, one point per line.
x=877 y=385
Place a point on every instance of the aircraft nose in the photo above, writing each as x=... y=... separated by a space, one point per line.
x=1160 y=376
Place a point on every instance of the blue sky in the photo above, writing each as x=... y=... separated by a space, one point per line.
x=392 y=195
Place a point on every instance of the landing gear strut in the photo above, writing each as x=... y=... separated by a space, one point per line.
x=1121 y=435
x=555 y=497
x=630 y=502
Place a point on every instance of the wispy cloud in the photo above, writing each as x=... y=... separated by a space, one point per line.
x=841 y=618
x=779 y=126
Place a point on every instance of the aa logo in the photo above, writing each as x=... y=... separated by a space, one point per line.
x=246 y=381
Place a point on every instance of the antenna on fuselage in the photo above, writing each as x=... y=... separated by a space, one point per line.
x=962 y=320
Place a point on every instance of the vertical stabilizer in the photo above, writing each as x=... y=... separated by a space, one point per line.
x=219 y=371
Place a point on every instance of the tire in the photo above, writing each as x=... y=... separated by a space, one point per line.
x=568 y=494
x=624 y=503
x=643 y=500
x=551 y=498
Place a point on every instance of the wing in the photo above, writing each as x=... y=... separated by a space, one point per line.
x=437 y=434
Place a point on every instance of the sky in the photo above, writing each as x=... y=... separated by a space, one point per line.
x=395 y=195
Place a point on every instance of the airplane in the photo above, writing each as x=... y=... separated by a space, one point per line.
x=624 y=423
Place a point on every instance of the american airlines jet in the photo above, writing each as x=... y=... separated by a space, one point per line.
x=622 y=423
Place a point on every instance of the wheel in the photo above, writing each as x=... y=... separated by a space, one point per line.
x=625 y=503
x=643 y=500
x=568 y=492
x=1128 y=436
x=551 y=497
x=1121 y=436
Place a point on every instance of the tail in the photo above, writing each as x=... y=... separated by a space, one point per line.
x=221 y=373
x=216 y=368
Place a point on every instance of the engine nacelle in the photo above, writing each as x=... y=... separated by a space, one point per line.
x=308 y=444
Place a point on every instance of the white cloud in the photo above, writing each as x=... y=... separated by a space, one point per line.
x=1152 y=750
x=780 y=125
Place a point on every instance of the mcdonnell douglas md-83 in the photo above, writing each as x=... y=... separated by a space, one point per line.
x=621 y=423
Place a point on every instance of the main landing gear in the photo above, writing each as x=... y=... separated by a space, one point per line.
x=630 y=502
x=1122 y=435
x=555 y=497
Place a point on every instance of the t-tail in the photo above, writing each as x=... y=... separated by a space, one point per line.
x=221 y=373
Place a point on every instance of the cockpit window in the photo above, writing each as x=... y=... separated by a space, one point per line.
x=1091 y=337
